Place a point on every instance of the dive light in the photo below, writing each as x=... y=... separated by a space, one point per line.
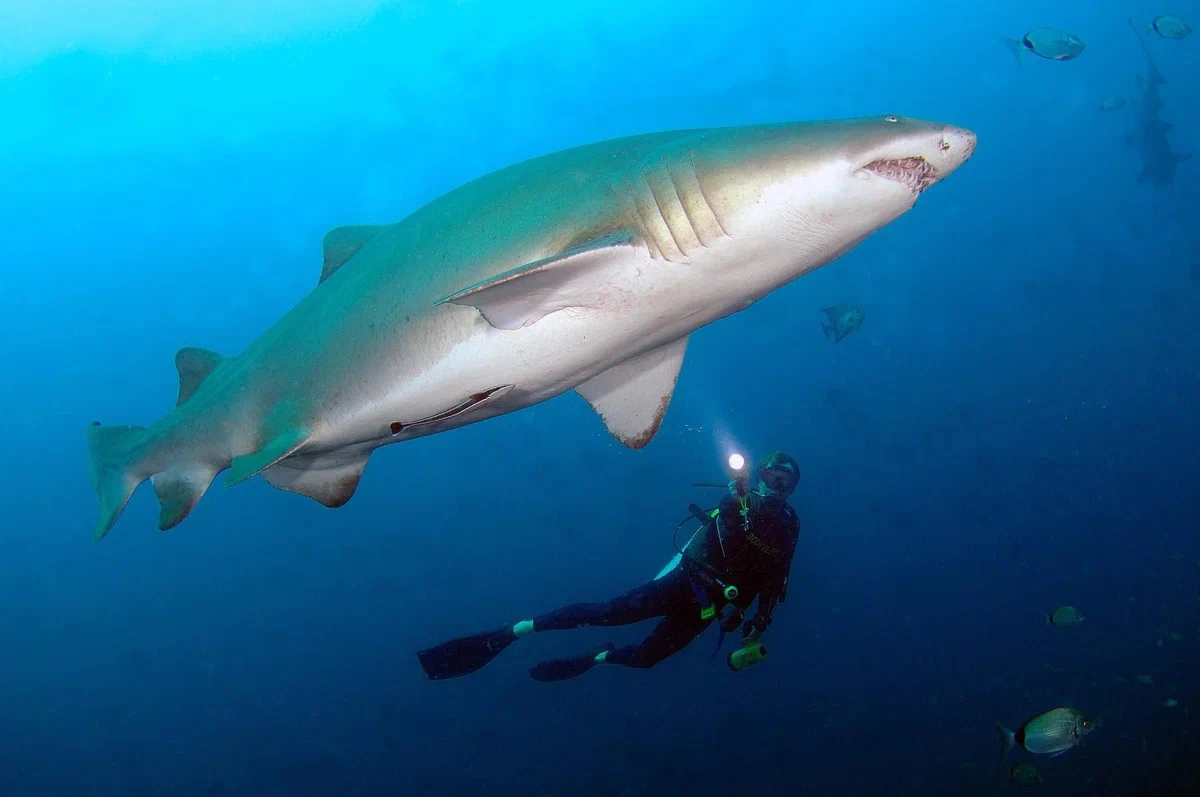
x=738 y=473
x=746 y=656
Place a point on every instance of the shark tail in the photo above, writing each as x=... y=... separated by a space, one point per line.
x=112 y=450
x=118 y=455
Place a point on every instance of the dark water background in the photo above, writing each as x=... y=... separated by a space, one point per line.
x=1013 y=428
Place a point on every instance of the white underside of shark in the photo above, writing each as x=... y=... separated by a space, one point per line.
x=586 y=269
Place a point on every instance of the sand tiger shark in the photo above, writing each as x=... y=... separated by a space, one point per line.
x=1159 y=160
x=585 y=269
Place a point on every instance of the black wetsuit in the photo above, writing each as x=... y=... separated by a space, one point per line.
x=756 y=561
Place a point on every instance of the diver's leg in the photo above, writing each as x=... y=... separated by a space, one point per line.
x=669 y=637
x=672 y=635
x=652 y=599
x=681 y=625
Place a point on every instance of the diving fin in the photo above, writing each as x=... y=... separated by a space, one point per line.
x=464 y=655
x=565 y=669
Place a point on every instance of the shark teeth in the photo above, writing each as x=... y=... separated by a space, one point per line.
x=916 y=173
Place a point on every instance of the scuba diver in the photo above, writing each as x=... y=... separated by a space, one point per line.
x=742 y=550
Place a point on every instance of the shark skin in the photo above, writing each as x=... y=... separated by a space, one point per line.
x=584 y=269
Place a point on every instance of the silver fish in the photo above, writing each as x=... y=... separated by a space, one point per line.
x=1170 y=27
x=1050 y=733
x=1054 y=44
x=1025 y=774
x=1064 y=617
x=843 y=319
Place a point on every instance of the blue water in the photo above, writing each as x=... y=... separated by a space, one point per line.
x=1012 y=429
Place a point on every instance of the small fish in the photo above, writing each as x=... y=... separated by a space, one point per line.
x=1064 y=617
x=1170 y=702
x=1178 y=637
x=1145 y=679
x=1050 y=733
x=1025 y=774
x=843 y=319
x=1171 y=27
x=1057 y=45
x=1112 y=103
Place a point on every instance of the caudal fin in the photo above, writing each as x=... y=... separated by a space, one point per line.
x=112 y=450
x=117 y=455
x=1008 y=740
x=1017 y=48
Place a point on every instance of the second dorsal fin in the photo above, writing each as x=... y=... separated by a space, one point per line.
x=342 y=243
x=194 y=365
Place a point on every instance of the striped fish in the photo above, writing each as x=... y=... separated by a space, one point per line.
x=1050 y=733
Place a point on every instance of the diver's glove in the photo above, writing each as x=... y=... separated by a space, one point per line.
x=753 y=629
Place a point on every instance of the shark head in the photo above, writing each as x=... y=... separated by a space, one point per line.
x=810 y=191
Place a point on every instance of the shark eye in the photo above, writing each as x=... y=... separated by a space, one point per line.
x=891 y=118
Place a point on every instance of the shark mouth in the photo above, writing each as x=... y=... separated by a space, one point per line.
x=916 y=173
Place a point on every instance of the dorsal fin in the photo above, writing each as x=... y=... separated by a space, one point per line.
x=194 y=364
x=341 y=243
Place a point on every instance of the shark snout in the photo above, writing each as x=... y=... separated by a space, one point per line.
x=950 y=149
x=917 y=153
x=959 y=142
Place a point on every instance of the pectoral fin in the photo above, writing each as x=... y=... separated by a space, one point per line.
x=632 y=397
x=524 y=295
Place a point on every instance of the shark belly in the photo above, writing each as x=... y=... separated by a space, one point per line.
x=635 y=304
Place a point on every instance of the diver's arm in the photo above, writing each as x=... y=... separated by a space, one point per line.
x=768 y=599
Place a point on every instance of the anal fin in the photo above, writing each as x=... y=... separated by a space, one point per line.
x=632 y=397
x=329 y=480
x=248 y=465
x=179 y=489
